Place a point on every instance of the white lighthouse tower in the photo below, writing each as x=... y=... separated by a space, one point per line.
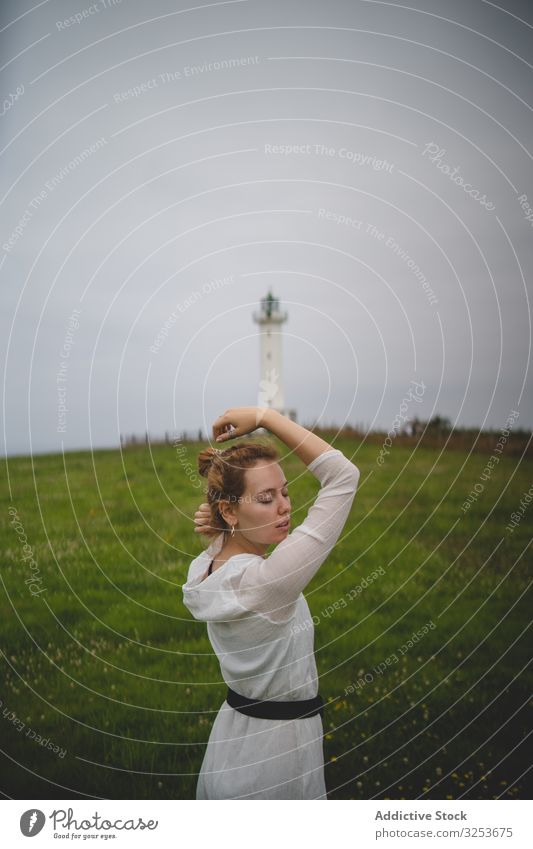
x=270 y=320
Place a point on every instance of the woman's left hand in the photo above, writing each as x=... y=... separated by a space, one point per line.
x=202 y=517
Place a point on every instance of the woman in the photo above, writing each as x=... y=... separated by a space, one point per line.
x=266 y=740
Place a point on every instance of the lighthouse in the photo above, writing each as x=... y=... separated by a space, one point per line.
x=270 y=320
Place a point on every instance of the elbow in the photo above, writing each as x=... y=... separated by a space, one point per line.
x=355 y=474
x=348 y=476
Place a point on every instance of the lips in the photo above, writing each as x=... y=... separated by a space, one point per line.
x=284 y=524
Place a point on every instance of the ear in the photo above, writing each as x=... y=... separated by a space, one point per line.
x=227 y=511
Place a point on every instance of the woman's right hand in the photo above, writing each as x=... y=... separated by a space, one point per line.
x=202 y=517
x=237 y=421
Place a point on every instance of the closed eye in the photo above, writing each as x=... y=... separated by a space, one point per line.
x=267 y=500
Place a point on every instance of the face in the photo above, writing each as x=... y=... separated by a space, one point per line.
x=264 y=504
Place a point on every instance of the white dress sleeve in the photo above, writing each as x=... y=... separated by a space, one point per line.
x=272 y=586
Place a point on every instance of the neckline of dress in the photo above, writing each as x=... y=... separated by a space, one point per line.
x=233 y=556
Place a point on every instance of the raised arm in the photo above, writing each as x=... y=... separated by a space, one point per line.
x=305 y=444
x=241 y=420
x=272 y=586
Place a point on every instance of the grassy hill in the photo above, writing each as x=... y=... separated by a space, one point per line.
x=109 y=688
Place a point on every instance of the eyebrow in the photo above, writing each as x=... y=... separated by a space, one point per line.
x=272 y=489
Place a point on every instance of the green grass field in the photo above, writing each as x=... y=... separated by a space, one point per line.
x=109 y=688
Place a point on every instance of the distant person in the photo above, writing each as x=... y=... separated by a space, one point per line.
x=266 y=740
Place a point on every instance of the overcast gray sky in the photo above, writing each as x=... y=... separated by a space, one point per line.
x=165 y=164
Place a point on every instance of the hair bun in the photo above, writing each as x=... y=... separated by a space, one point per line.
x=206 y=459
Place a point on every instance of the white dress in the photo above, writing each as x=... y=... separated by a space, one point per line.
x=261 y=630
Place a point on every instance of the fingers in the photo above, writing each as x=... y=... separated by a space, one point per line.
x=204 y=529
x=223 y=437
x=228 y=432
x=202 y=518
x=223 y=428
x=220 y=425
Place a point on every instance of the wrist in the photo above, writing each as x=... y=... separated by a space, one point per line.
x=268 y=418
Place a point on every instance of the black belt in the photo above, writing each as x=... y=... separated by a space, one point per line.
x=299 y=709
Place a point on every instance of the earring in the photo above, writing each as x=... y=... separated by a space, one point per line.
x=233 y=530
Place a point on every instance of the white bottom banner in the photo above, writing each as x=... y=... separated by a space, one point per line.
x=142 y=822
